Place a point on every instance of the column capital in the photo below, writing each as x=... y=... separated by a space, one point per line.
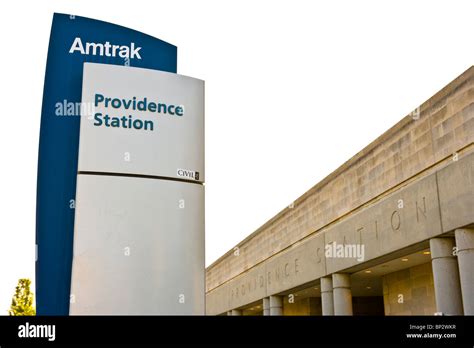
x=441 y=247
x=276 y=301
x=341 y=280
x=326 y=284
x=464 y=239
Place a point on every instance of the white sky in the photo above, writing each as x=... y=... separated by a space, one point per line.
x=293 y=89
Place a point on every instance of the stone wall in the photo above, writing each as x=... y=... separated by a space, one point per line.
x=306 y=306
x=410 y=291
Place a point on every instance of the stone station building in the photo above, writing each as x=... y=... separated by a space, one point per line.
x=390 y=232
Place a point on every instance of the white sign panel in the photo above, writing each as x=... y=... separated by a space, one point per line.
x=139 y=219
x=141 y=121
x=138 y=247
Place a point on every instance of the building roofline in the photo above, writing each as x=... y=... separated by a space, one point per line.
x=436 y=98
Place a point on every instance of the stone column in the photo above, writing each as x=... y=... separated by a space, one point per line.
x=446 y=276
x=465 y=253
x=327 y=299
x=276 y=305
x=236 y=312
x=229 y=312
x=266 y=306
x=342 y=294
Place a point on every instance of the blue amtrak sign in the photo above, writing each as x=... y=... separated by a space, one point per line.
x=74 y=40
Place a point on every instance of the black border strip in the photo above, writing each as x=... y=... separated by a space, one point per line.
x=240 y=331
x=142 y=176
